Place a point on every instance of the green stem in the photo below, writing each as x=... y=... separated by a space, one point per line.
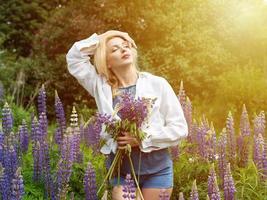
x=114 y=163
x=111 y=169
x=135 y=179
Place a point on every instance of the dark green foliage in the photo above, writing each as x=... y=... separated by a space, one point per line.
x=20 y=21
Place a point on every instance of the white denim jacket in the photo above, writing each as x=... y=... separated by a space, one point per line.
x=166 y=124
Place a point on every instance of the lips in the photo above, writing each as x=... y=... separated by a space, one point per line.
x=125 y=56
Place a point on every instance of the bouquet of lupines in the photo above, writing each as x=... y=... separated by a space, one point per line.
x=133 y=115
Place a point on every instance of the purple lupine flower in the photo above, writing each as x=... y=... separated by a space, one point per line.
x=2 y=138
x=76 y=142
x=129 y=188
x=7 y=119
x=259 y=123
x=39 y=152
x=211 y=142
x=231 y=140
x=43 y=124
x=4 y=184
x=205 y=122
x=65 y=164
x=188 y=115
x=213 y=189
x=228 y=184
x=134 y=110
x=60 y=117
x=204 y=139
x=181 y=196
x=164 y=195
x=93 y=130
x=89 y=182
x=17 y=186
x=258 y=150
x=35 y=130
x=182 y=96
x=12 y=139
x=24 y=137
x=193 y=138
x=42 y=100
x=10 y=161
x=58 y=137
x=10 y=164
x=194 y=192
x=46 y=170
x=80 y=157
x=201 y=132
x=243 y=147
x=222 y=160
x=244 y=122
x=264 y=162
x=175 y=152
x=37 y=160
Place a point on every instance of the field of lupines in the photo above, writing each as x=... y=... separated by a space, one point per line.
x=62 y=161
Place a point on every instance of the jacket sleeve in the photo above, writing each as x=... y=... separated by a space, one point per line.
x=81 y=68
x=174 y=128
x=79 y=64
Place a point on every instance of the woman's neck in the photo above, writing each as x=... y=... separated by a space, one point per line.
x=127 y=78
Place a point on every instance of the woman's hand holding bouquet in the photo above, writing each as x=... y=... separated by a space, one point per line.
x=133 y=113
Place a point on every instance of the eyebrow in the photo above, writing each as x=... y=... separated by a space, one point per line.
x=124 y=42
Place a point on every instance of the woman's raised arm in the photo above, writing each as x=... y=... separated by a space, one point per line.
x=79 y=64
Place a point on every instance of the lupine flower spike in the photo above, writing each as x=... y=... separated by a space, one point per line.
x=231 y=140
x=259 y=123
x=181 y=196
x=229 y=185
x=42 y=100
x=264 y=162
x=89 y=182
x=24 y=137
x=222 y=160
x=213 y=189
x=244 y=122
x=182 y=95
x=60 y=117
x=17 y=186
x=194 y=192
x=7 y=119
x=129 y=189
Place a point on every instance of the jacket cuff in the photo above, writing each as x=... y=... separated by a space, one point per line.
x=88 y=45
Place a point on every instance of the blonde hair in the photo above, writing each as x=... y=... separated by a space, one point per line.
x=100 y=59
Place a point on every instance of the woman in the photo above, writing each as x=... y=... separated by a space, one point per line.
x=115 y=70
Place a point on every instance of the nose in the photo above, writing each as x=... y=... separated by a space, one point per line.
x=123 y=48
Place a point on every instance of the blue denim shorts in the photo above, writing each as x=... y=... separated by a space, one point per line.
x=161 y=179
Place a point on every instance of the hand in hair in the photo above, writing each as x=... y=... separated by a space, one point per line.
x=112 y=33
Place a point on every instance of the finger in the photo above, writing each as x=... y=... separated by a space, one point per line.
x=123 y=143
x=122 y=138
x=125 y=35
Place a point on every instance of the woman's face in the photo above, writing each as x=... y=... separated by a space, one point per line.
x=119 y=53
